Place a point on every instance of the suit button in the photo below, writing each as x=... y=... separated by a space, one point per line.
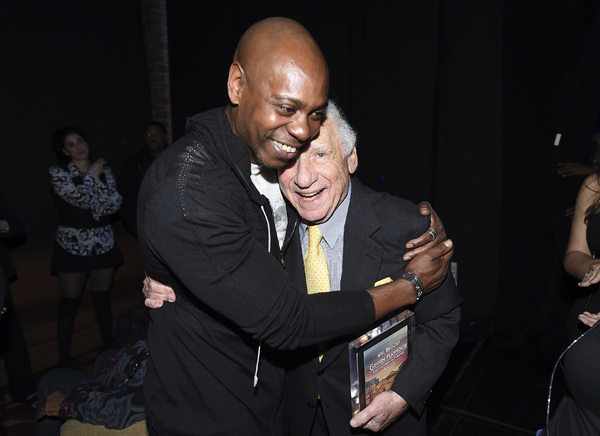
x=321 y=372
x=310 y=405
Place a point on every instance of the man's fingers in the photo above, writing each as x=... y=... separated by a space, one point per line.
x=156 y=291
x=153 y=304
x=413 y=253
x=431 y=237
x=384 y=409
x=425 y=208
x=439 y=253
x=448 y=243
x=362 y=418
x=146 y=287
x=437 y=225
x=422 y=242
x=419 y=242
x=443 y=249
x=432 y=244
x=447 y=251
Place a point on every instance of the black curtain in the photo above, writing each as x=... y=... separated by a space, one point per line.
x=455 y=102
x=67 y=62
x=550 y=87
x=422 y=83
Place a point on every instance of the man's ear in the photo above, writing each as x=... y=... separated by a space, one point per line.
x=235 y=82
x=352 y=161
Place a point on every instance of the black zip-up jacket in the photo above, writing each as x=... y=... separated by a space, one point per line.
x=205 y=230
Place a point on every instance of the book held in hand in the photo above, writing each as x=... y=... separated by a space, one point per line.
x=377 y=357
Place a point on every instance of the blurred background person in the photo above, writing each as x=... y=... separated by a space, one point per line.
x=86 y=196
x=580 y=170
x=133 y=170
x=13 y=348
x=3 y=291
x=111 y=397
x=579 y=410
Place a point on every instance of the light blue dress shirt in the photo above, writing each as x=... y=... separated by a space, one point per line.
x=332 y=242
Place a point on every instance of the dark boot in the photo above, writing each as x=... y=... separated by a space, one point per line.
x=103 y=311
x=64 y=331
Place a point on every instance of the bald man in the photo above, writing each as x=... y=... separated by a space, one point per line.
x=211 y=223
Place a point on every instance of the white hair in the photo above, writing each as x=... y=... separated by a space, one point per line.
x=345 y=132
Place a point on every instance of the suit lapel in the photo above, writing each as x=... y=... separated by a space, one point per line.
x=362 y=255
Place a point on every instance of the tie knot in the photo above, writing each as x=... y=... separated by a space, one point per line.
x=314 y=236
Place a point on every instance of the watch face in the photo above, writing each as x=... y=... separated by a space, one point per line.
x=415 y=281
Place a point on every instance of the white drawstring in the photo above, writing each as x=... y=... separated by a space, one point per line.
x=269 y=249
x=256 y=370
x=268 y=228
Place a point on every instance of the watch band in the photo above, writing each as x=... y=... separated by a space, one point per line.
x=415 y=281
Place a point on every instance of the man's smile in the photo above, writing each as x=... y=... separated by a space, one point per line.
x=310 y=196
x=284 y=147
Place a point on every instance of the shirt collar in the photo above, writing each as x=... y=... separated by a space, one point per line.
x=270 y=175
x=334 y=226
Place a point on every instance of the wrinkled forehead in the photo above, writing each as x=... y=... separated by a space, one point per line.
x=328 y=135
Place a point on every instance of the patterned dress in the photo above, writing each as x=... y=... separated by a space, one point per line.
x=84 y=239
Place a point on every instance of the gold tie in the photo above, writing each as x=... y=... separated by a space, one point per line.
x=315 y=269
x=315 y=263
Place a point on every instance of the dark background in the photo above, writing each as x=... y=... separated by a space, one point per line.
x=455 y=102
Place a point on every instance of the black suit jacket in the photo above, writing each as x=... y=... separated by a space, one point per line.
x=377 y=228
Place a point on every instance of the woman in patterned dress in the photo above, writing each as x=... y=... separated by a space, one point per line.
x=86 y=196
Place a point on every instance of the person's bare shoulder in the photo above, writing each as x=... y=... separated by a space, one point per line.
x=589 y=192
x=592 y=182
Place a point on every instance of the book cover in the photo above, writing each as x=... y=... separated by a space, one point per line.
x=377 y=357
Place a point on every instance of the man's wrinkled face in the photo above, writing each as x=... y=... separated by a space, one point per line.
x=316 y=181
x=279 y=112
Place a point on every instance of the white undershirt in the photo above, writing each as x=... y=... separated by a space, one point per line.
x=265 y=180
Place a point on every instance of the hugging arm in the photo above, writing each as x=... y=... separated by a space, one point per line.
x=432 y=237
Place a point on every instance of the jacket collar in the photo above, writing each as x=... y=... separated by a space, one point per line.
x=228 y=146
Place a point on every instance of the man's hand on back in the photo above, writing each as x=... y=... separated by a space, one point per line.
x=432 y=237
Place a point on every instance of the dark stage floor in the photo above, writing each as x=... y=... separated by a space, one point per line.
x=487 y=389
x=18 y=418
x=492 y=390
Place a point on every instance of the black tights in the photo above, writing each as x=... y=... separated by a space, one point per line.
x=71 y=289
